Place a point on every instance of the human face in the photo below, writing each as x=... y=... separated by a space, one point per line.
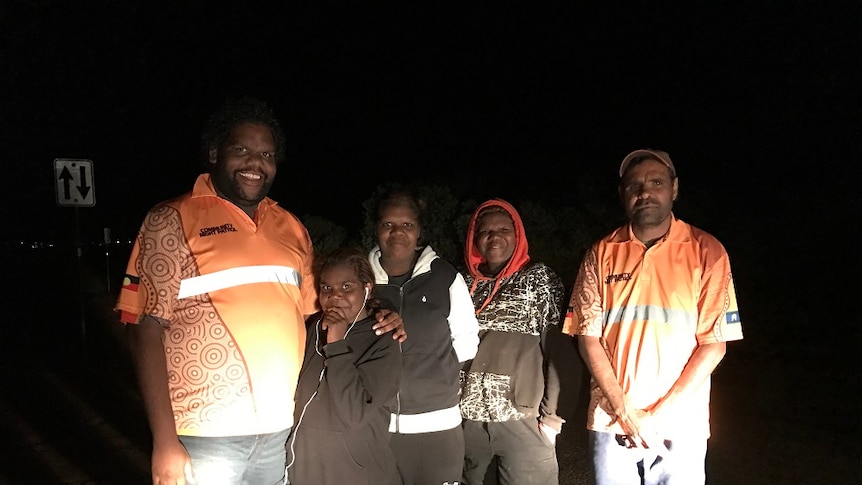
x=648 y=193
x=341 y=293
x=495 y=239
x=398 y=236
x=245 y=165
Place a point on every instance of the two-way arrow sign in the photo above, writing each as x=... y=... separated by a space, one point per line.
x=74 y=182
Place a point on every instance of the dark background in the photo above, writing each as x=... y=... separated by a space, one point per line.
x=758 y=103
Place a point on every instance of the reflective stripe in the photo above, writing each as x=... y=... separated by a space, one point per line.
x=431 y=421
x=652 y=313
x=243 y=275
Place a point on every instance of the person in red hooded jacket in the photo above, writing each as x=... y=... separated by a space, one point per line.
x=508 y=401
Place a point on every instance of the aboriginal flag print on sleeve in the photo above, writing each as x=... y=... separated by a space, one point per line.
x=130 y=283
x=130 y=288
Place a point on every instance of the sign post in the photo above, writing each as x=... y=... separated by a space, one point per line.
x=107 y=234
x=75 y=187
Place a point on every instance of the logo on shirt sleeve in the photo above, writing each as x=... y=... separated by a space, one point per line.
x=130 y=283
x=732 y=317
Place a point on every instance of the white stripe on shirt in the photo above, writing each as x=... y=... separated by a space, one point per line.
x=242 y=275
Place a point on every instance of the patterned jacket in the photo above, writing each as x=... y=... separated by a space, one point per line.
x=507 y=379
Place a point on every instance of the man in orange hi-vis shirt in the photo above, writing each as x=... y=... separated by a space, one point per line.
x=215 y=297
x=652 y=307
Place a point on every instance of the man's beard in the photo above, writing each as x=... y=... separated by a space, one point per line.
x=650 y=216
x=231 y=189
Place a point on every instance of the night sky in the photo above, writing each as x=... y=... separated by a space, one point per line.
x=758 y=103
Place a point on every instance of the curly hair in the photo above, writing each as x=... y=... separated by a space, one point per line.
x=234 y=111
x=351 y=256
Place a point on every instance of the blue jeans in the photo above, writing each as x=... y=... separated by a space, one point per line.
x=614 y=464
x=238 y=460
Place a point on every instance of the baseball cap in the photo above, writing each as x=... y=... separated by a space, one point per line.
x=659 y=155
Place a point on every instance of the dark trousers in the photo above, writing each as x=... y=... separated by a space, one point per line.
x=429 y=458
x=524 y=455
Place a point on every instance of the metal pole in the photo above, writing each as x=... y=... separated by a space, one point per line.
x=107 y=234
x=107 y=269
x=80 y=254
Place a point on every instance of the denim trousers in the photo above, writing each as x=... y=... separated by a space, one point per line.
x=237 y=460
x=683 y=463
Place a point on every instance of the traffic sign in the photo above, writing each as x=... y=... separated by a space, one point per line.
x=73 y=180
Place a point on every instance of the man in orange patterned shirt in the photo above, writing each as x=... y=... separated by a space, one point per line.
x=653 y=306
x=215 y=297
